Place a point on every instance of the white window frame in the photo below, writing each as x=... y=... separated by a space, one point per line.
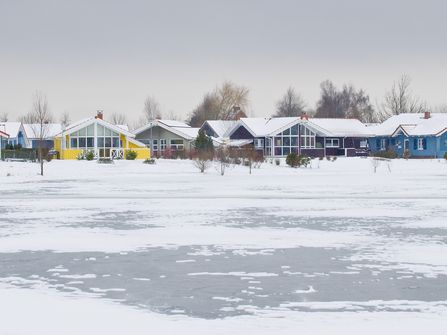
x=162 y=144
x=363 y=144
x=177 y=146
x=259 y=143
x=421 y=143
x=332 y=143
x=383 y=144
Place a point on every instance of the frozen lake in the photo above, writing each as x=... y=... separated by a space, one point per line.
x=282 y=242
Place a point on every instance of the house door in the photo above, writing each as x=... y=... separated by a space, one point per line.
x=406 y=144
x=104 y=153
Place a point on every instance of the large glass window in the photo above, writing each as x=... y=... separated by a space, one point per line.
x=107 y=138
x=85 y=138
x=162 y=144
x=177 y=144
x=289 y=140
x=332 y=143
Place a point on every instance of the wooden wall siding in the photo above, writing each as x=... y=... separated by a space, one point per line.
x=241 y=134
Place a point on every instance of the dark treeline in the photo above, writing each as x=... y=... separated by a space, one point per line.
x=230 y=102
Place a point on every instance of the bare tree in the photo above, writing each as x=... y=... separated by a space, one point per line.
x=347 y=103
x=251 y=157
x=291 y=104
x=206 y=110
x=119 y=119
x=232 y=99
x=4 y=117
x=227 y=102
x=151 y=110
x=40 y=119
x=173 y=116
x=27 y=118
x=65 y=119
x=400 y=99
x=202 y=163
x=440 y=108
x=375 y=162
x=223 y=159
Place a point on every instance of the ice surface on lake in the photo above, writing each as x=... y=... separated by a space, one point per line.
x=281 y=250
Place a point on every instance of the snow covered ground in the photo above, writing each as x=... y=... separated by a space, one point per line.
x=129 y=248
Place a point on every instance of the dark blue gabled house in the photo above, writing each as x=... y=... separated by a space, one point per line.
x=421 y=135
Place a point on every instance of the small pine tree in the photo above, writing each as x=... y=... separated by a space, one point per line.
x=204 y=149
x=203 y=143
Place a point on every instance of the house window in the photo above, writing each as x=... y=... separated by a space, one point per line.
x=383 y=144
x=162 y=144
x=259 y=143
x=422 y=144
x=177 y=144
x=288 y=141
x=307 y=138
x=363 y=144
x=83 y=138
x=332 y=143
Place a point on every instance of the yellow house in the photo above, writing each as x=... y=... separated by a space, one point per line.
x=95 y=135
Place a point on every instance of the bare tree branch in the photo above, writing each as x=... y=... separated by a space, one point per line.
x=151 y=110
x=400 y=99
x=40 y=119
x=227 y=102
x=65 y=119
x=4 y=117
x=119 y=119
x=291 y=104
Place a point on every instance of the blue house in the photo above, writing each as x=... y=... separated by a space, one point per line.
x=421 y=135
x=16 y=132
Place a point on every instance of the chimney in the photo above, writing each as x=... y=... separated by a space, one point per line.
x=304 y=116
x=426 y=115
x=99 y=114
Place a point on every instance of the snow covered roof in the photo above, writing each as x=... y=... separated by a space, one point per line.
x=11 y=128
x=177 y=127
x=222 y=128
x=340 y=127
x=260 y=127
x=33 y=130
x=86 y=122
x=3 y=134
x=239 y=143
x=412 y=124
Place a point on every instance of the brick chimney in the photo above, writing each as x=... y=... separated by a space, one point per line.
x=426 y=115
x=99 y=114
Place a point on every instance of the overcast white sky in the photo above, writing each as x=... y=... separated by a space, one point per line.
x=98 y=54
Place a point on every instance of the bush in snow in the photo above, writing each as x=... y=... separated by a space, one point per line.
x=131 y=155
x=294 y=160
x=90 y=155
x=406 y=154
x=390 y=154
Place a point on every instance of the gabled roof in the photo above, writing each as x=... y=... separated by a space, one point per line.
x=86 y=122
x=339 y=127
x=261 y=127
x=221 y=128
x=412 y=124
x=11 y=128
x=33 y=130
x=177 y=127
x=405 y=129
x=3 y=134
